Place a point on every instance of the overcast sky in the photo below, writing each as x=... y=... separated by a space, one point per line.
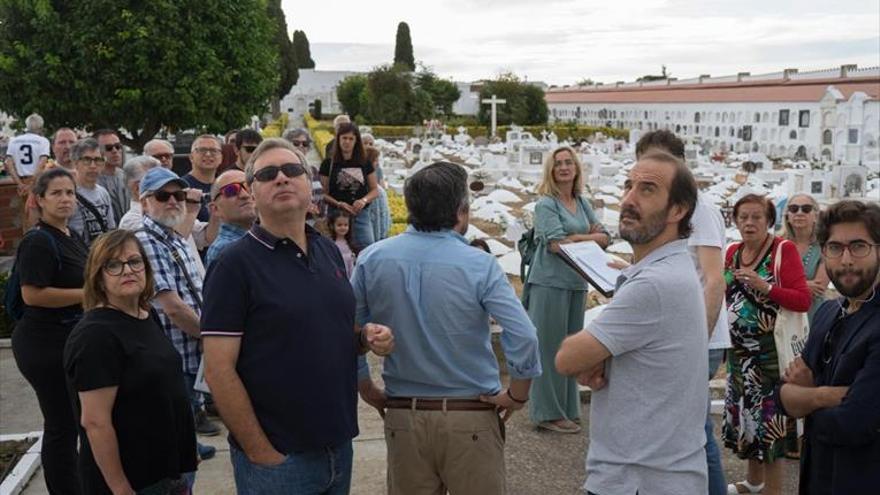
x=563 y=41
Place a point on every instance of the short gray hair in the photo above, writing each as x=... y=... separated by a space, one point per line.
x=135 y=168
x=83 y=145
x=34 y=123
x=205 y=136
x=271 y=144
x=292 y=134
x=154 y=142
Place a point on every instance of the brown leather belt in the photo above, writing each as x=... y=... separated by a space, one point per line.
x=434 y=404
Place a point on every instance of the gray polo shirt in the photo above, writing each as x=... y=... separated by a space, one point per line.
x=646 y=425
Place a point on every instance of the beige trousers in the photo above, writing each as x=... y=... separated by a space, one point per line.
x=432 y=452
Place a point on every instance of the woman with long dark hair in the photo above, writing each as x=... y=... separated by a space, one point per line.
x=349 y=181
x=50 y=264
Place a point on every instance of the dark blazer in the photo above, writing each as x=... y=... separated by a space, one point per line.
x=847 y=437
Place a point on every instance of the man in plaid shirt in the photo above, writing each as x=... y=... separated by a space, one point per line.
x=178 y=293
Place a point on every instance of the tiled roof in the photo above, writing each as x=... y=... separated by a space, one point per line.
x=757 y=91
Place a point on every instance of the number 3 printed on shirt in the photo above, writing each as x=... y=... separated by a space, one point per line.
x=27 y=154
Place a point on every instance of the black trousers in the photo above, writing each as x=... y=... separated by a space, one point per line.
x=38 y=349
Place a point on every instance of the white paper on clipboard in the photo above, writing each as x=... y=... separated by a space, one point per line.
x=201 y=385
x=592 y=263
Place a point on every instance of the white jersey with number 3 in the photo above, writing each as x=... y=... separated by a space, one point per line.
x=26 y=151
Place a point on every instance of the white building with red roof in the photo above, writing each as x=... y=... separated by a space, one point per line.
x=832 y=115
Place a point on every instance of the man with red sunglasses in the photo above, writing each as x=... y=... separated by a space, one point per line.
x=233 y=205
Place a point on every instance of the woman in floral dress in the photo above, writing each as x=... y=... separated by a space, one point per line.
x=754 y=427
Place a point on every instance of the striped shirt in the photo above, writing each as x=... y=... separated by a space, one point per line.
x=158 y=242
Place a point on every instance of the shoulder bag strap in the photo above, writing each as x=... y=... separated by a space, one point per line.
x=175 y=255
x=89 y=206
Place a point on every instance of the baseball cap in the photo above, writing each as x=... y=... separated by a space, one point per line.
x=157 y=178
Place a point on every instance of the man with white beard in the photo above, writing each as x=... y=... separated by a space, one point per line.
x=178 y=281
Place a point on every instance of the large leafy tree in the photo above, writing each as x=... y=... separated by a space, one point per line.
x=393 y=98
x=351 y=93
x=525 y=102
x=137 y=66
x=443 y=93
x=302 y=50
x=403 y=49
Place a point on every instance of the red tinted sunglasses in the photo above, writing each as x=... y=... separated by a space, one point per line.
x=231 y=190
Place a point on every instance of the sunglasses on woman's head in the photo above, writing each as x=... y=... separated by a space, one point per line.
x=163 y=196
x=231 y=190
x=803 y=208
x=269 y=173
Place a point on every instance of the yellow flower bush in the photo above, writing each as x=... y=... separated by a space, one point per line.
x=397 y=207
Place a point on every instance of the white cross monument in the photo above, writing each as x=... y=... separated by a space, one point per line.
x=494 y=101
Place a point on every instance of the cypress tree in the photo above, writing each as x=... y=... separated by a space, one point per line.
x=403 y=50
x=302 y=51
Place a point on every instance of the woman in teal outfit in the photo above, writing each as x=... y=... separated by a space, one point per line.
x=801 y=216
x=556 y=292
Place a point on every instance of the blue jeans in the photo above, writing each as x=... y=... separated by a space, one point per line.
x=717 y=483
x=325 y=471
x=362 y=228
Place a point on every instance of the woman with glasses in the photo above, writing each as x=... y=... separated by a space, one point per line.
x=302 y=141
x=349 y=181
x=556 y=293
x=801 y=218
x=754 y=424
x=50 y=263
x=137 y=430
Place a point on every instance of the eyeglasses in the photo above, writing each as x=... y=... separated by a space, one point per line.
x=231 y=190
x=269 y=173
x=249 y=148
x=163 y=156
x=116 y=267
x=163 y=196
x=858 y=249
x=803 y=208
x=567 y=161
x=300 y=144
x=208 y=151
x=93 y=160
x=114 y=146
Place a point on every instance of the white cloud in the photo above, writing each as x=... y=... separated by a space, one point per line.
x=562 y=41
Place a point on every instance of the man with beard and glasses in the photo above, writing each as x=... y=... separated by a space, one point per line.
x=111 y=177
x=835 y=382
x=647 y=422
x=178 y=279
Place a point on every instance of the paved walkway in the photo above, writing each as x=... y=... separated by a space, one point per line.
x=537 y=462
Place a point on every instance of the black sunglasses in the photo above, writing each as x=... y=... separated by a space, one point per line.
x=111 y=147
x=231 y=190
x=269 y=173
x=803 y=208
x=249 y=148
x=300 y=144
x=164 y=196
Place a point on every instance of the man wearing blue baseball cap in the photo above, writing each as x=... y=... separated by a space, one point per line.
x=178 y=280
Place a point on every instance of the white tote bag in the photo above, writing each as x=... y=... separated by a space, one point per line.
x=790 y=331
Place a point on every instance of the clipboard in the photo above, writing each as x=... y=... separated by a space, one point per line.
x=591 y=263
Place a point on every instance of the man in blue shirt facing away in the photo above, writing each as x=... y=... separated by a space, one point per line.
x=443 y=425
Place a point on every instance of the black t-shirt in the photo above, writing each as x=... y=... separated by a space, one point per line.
x=347 y=179
x=151 y=415
x=38 y=265
x=204 y=213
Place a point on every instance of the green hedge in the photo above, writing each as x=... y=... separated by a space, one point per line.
x=563 y=132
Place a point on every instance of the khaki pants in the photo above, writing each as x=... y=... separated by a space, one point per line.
x=430 y=452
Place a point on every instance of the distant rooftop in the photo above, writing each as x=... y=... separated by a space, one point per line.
x=787 y=85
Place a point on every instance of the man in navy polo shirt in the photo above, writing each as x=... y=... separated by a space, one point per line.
x=280 y=340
